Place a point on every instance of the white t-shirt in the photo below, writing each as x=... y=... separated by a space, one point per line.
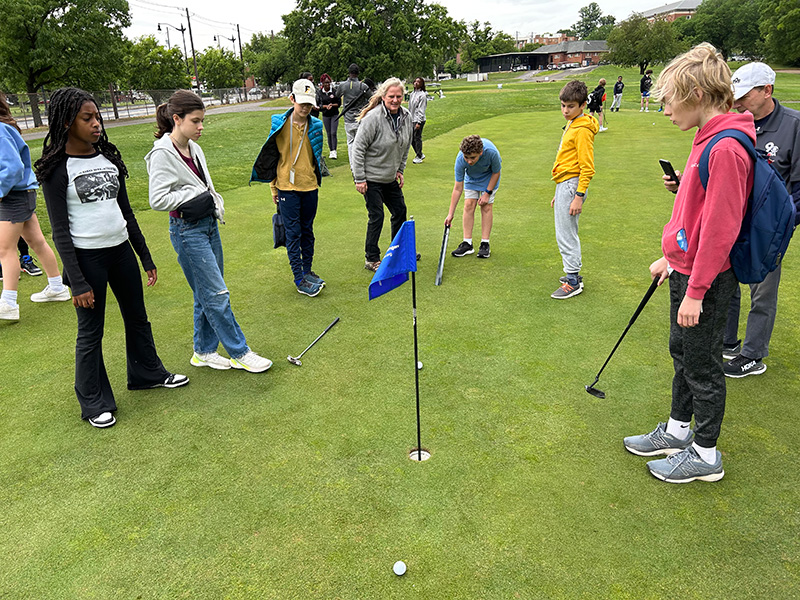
x=95 y=219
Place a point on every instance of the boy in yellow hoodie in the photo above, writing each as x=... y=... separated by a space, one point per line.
x=572 y=171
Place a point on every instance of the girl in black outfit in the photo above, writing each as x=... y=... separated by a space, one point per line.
x=329 y=104
x=96 y=233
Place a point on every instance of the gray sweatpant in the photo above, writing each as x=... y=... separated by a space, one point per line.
x=569 y=245
x=760 y=319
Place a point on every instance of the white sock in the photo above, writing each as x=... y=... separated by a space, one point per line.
x=678 y=429
x=56 y=283
x=469 y=241
x=483 y=241
x=708 y=455
x=9 y=296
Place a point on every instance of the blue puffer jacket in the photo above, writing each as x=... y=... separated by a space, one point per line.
x=265 y=169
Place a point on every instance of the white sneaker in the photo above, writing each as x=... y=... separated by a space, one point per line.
x=422 y=157
x=646 y=110
x=251 y=362
x=332 y=154
x=641 y=109
x=102 y=420
x=212 y=359
x=417 y=160
x=604 y=129
x=48 y=295
x=8 y=312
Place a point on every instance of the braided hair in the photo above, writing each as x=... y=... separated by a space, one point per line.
x=65 y=104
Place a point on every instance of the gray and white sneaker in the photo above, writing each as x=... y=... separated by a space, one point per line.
x=8 y=312
x=463 y=249
x=731 y=352
x=742 y=366
x=565 y=279
x=48 y=295
x=686 y=466
x=210 y=359
x=251 y=362
x=657 y=442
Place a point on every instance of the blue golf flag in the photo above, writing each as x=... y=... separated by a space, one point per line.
x=400 y=258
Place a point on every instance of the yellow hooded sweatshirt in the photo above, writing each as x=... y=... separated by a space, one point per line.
x=575 y=156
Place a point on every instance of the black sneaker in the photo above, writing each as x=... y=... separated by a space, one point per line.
x=26 y=264
x=483 y=250
x=729 y=352
x=463 y=249
x=742 y=366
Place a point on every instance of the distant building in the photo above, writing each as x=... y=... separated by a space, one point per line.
x=546 y=39
x=581 y=53
x=671 y=12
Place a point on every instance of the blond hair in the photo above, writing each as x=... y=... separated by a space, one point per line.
x=380 y=94
x=701 y=68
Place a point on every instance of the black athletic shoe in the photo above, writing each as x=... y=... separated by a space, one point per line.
x=729 y=352
x=742 y=366
x=463 y=249
x=26 y=264
x=483 y=250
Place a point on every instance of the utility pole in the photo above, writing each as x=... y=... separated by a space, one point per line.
x=241 y=58
x=194 y=56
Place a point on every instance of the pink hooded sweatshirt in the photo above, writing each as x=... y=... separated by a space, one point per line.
x=705 y=223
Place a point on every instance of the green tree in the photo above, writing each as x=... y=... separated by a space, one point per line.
x=780 y=26
x=55 y=42
x=604 y=28
x=530 y=47
x=268 y=59
x=221 y=69
x=637 y=42
x=482 y=41
x=401 y=38
x=588 y=20
x=732 y=26
x=152 y=68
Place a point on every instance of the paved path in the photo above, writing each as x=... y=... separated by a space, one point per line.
x=224 y=108
x=532 y=75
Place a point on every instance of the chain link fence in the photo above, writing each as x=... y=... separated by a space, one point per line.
x=30 y=110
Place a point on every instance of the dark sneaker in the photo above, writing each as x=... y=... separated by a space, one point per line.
x=314 y=278
x=566 y=291
x=565 y=279
x=372 y=265
x=657 y=442
x=742 y=366
x=26 y=264
x=686 y=466
x=174 y=380
x=308 y=288
x=463 y=249
x=483 y=250
x=731 y=352
x=102 y=420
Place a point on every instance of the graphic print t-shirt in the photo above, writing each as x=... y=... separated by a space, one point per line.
x=95 y=219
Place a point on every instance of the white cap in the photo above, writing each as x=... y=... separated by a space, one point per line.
x=304 y=92
x=751 y=75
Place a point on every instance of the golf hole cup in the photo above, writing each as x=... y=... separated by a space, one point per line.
x=399 y=568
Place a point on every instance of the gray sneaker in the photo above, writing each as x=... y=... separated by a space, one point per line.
x=314 y=278
x=686 y=466
x=657 y=442
x=565 y=279
x=308 y=288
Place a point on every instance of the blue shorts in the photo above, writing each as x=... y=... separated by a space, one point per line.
x=645 y=94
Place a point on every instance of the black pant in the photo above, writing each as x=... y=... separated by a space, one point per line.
x=698 y=387
x=416 y=139
x=377 y=195
x=115 y=267
x=22 y=246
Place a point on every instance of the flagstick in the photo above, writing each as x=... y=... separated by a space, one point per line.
x=416 y=359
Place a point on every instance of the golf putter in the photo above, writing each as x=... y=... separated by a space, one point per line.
x=296 y=360
x=439 y=271
x=590 y=388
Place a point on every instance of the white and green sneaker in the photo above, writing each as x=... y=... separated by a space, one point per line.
x=251 y=362
x=657 y=442
x=686 y=466
x=211 y=359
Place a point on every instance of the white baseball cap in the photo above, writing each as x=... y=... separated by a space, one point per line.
x=751 y=75
x=304 y=92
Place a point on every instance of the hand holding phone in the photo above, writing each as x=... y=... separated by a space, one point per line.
x=671 y=181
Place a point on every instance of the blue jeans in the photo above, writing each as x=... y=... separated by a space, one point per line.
x=199 y=251
x=298 y=210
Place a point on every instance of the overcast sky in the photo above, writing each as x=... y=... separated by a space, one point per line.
x=212 y=17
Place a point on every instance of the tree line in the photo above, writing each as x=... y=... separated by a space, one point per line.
x=80 y=42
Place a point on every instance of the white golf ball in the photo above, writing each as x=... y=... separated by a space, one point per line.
x=653 y=123
x=419 y=364
x=399 y=568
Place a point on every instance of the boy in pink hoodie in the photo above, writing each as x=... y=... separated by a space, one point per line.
x=696 y=90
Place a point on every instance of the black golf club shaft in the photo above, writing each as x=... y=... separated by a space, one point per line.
x=335 y=321
x=639 y=309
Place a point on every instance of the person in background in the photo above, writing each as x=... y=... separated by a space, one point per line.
x=417 y=104
x=618 y=87
x=354 y=96
x=329 y=104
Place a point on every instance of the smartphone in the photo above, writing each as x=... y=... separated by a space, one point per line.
x=666 y=166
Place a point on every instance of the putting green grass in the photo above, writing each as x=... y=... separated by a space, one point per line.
x=296 y=483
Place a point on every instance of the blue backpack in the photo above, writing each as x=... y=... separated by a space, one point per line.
x=768 y=222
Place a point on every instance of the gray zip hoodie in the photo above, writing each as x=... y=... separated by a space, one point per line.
x=380 y=151
x=417 y=103
x=172 y=182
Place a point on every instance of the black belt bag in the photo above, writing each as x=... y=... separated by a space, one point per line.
x=197 y=208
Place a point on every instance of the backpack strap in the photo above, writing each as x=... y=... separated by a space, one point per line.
x=740 y=136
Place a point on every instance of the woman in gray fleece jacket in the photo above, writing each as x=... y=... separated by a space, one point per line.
x=378 y=159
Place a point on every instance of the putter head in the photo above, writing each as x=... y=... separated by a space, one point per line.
x=294 y=361
x=595 y=392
